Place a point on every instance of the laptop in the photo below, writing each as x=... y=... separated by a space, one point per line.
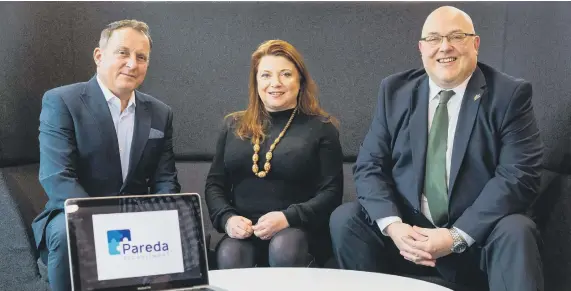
x=141 y=242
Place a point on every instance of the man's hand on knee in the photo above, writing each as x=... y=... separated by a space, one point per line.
x=438 y=243
x=399 y=232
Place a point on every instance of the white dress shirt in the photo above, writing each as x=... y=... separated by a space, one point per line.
x=453 y=105
x=124 y=124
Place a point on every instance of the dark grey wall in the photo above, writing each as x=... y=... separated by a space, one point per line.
x=199 y=64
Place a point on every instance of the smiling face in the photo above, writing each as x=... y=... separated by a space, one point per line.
x=278 y=83
x=122 y=62
x=449 y=64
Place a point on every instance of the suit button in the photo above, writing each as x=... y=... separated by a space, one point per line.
x=415 y=211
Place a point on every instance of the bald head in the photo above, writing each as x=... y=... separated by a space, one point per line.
x=447 y=18
x=449 y=46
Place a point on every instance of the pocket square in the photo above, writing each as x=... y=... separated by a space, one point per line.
x=155 y=133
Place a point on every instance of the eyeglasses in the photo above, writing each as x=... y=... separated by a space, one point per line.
x=453 y=38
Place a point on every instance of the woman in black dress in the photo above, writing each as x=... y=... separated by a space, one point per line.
x=278 y=169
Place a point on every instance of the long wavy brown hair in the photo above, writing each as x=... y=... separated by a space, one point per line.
x=252 y=122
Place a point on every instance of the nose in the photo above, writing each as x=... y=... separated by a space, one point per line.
x=275 y=81
x=445 y=45
x=131 y=63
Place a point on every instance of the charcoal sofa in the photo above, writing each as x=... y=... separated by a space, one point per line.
x=21 y=199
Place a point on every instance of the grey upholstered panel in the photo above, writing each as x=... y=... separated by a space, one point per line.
x=349 y=191
x=201 y=54
x=18 y=270
x=26 y=190
x=200 y=59
x=36 y=53
x=538 y=38
x=557 y=232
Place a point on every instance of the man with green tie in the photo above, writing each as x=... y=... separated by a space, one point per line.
x=447 y=170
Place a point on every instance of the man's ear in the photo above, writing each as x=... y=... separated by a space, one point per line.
x=97 y=54
x=477 y=44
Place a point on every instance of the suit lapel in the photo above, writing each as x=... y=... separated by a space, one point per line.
x=95 y=101
x=466 y=119
x=140 y=134
x=419 y=132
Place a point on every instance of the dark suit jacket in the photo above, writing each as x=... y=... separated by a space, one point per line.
x=79 y=153
x=496 y=158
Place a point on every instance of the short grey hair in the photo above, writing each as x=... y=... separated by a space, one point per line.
x=131 y=23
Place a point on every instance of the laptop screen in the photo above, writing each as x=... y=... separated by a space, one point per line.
x=137 y=242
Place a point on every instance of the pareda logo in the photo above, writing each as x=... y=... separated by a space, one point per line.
x=120 y=243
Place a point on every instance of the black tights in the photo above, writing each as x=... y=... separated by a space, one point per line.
x=288 y=248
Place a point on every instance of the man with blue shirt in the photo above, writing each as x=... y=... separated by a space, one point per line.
x=447 y=171
x=102 y=138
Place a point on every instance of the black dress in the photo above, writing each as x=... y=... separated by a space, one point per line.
x=305 y=180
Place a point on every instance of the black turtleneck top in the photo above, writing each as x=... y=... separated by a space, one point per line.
x=305 y=180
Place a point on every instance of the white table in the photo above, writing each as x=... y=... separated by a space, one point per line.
x=313 y=279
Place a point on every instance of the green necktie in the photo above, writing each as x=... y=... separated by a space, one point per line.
x=435 y=185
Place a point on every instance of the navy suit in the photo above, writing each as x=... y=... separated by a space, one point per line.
x=79 y=154
x=494 y=172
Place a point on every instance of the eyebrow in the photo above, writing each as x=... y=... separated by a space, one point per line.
x=271 y=71
x=127 y=49
x=453 y=31
x=146 y=55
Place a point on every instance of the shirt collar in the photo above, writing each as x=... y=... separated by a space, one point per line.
x=109 y=96
x=458 y=90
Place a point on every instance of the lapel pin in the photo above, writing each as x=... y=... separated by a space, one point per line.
x=477 y=97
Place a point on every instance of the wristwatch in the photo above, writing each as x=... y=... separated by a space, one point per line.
x=459 y=245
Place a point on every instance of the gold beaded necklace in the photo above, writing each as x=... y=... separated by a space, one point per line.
x=255 y=157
